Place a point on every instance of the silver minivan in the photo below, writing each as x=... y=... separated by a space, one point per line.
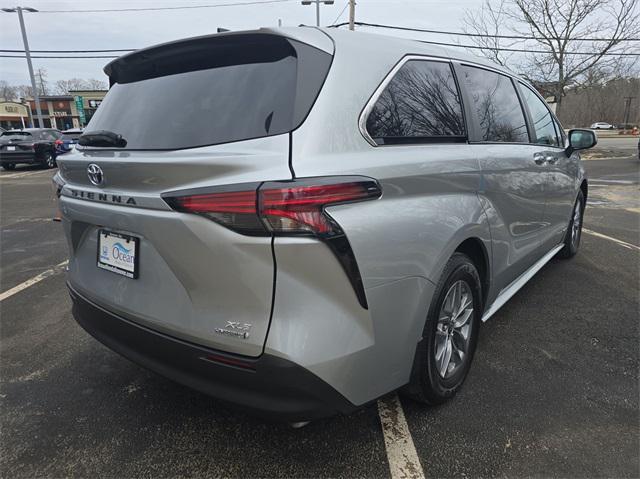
x=302 y=220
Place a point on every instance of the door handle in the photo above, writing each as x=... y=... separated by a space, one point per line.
x=539 y=159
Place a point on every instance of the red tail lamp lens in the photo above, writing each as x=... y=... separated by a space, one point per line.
x=299 y=209
x=287 y=207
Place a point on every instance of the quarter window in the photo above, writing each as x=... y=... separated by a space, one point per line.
x=495 y=101
x=541 y=118
x=420 y=104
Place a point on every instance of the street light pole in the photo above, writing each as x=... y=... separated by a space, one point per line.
x=317 y=2
x=36 y=97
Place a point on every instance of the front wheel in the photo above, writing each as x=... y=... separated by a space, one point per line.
x=444 y=354
x=574 y=231
x=9 y=166
x=49 y=160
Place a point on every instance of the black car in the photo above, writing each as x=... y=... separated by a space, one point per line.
x=31 y=145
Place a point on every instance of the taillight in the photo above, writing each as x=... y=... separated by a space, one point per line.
x=59 y=142
x=285 y=208
x=282 y=208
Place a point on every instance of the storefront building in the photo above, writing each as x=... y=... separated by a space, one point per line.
x=14 y=115
x=57 y=112
x=87 y=102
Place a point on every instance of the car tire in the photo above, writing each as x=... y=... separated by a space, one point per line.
x=9 y=166
x=49 y=160
x=434 y=379
x=574 y=231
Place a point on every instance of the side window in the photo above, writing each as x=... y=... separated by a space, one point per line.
x=496 y=105
x=420 y=104
x=561 y=134
x=543 y=123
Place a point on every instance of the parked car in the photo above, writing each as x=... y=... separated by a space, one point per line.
x=30 y=145
x=69 y=139
x=601 y=125
x=325 y=219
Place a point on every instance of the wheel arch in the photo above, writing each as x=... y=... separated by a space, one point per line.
x=584 y=187
x=476 y=250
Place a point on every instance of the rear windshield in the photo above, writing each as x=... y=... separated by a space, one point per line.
x=241 y=89
x=71 y=136
x=15 y=135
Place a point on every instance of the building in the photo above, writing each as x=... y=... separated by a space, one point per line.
x=58 y=111
x=14 y=115
x=87 y=102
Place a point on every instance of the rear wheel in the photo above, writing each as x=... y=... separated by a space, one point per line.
x=574 y=231
x=9 y=166
x=444 y=354
x=49 y=159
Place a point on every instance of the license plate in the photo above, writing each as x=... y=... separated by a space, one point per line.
x=118 y=253
x=11 y=148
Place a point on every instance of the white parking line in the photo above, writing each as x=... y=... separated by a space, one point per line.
x=36 y=279
x=613 y=182
x=22 y=174
x=401 y=452
x=615 y=240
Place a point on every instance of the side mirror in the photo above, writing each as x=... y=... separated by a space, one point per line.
x=581 y=140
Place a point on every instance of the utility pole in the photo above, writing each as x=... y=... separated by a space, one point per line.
x=627 y=108
x=318 y=2
x=27 y=53
x=352 y=14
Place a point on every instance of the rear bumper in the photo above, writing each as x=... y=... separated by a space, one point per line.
x=18 y=157
x=273 y=386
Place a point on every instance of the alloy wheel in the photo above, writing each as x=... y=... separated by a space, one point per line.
x=453 y=331
x=50 y=160
x=576 y=224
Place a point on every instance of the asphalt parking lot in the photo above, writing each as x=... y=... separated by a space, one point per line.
x=553 y=391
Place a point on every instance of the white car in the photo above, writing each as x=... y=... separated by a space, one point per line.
x=601 y=125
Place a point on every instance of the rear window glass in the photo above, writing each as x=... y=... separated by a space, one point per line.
x=497 y=106
x=15 y=135
x=420 y=104
x=242 y=89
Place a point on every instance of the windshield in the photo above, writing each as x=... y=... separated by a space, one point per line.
x=234 y=97
x=15 y=135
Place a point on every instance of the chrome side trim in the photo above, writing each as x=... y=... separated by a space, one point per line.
x=506 y=294
x=362 y=120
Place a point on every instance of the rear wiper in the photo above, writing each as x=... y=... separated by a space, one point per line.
x=102 y=138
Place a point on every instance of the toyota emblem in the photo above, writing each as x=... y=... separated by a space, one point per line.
x=94 y=172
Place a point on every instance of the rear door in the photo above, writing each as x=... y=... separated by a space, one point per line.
x=513 y=177
x=198 y=114
x=561 y=170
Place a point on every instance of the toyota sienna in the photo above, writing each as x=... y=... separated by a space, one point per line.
x=302 y=220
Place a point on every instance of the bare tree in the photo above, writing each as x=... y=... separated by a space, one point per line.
x=24 y=91
x=41 y=81
x=561 y=29
x=63 y=87
x=94 y=84
x=8 y=92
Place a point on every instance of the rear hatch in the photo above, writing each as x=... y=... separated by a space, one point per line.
x=200 y=113
x=16 y=142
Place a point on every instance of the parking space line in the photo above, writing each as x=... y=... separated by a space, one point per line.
x=401 y=452
x=36 y=279
x=22 y=174
x=615 y=240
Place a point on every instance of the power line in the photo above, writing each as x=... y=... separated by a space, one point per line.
x=476 y=47
x=147 y=9
x=338 y=17
x=481 y=35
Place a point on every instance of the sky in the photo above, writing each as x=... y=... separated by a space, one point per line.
x=113 y=30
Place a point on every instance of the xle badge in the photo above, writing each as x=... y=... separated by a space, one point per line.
x=235 y=329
